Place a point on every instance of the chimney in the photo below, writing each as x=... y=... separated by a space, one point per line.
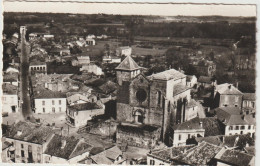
x=201 y=124
x=229 y=86
x=19 y=133
x=63 y=143
x=222 y=138
x=237 y=85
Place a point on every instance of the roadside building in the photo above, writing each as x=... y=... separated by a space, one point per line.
x=124 y=51
x=111 y=59
x=47 y=101
x=231 y=157
x=109 y=156
x=66 y=150
x=28 y=142
x=227 y=95
x=83 y=60
x=235 y=123
x=38 y=67
x=248 y=105
x=90 y=41
x=79 y=114
x=191 y=80
x=78 y=98
x=10 y=98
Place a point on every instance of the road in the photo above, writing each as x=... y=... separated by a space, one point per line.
x=24 y=77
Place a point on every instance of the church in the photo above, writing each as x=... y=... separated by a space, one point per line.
x=151 y=105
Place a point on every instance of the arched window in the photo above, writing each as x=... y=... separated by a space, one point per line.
x=159 y=98
x=139 y=116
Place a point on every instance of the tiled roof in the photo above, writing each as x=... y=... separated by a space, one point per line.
x=199 y=155
x=41 y=93
x=80 y=149
x=179 y=88
x=250 y=119
x=108 y=87
x=128 y=64
x=9 y=89
x=249 y=96
x=230 y=116
x=227 y=89
x=100 y=158
x=212 y=126
x=10 y=77
x=216 y=140
x=167 y=75
x=29 y=132
x=193 y=124
x=85 y=106
x=37 y=63
x=234 y=157
x=205 y=79
x=113 y=153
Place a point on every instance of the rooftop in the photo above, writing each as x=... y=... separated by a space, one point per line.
x=199 y=155
x=249 y=96
x=167 y=75
x=37 y=63
x=179 y=88
x=10 y=77
x=9 y=89
x=72 y=148
x=140 y=129
x=85 y=106
x=193 y=124
x=29 y=132
x=128 y=64
x=41 y=93
x=190 y=77
x=205 y=79
x=227 y=89
x=234 y=157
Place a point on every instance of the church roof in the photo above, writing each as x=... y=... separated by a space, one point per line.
x=128 y=64
x=168 y=75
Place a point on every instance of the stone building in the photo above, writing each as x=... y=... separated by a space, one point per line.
x=157 y=100
x=38 y=67
x=248 y=105
x=227 y=95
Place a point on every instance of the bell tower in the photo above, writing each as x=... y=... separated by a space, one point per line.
x=127 y=70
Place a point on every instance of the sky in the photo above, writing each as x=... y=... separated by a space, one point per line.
x=129 y=8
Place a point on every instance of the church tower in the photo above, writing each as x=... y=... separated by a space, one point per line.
x=127 y=70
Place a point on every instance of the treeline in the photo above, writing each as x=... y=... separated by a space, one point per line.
x=221 y=30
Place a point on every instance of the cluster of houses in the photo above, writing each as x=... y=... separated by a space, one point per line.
x=157 y=113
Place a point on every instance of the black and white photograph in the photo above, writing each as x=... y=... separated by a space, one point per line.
x=129 y=83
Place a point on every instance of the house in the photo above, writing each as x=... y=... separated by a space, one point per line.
x=90 y=36
x=204 y=67
x=83 y=60
x=206 y=81
x=226 y=95
x=11 y=78
x=79 y=114
x=64 y=51
x=111 y=156
x=90 y=41
x=12 y=69
x=28 y=142
x=80 y=43
x=66 y=150
x=187 y=130
x=231 y=157
x=77 y=98
x=47 y=101
x=234 y=122
x=248 y=103
x=10 y=98
x=191 y=80
x=163 y=156
x=202 y=154
x=111 y=59
x=124 y=51
x=92 y=68
x=38 y=67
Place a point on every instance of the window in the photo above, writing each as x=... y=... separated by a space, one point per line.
x=188 y=136
x=253 y=104
x=22 y=153
x=60 y=109
x=241 y=132
x=22 y=146
x=59 y=102
x=43 y=110
x=43 y=102
x=152 y=162
x=249 y=127
x=158 y=98
x=231 y=128
x=180 y=137
x=242 y=127
x=53 y=109
x=53 y=102
x=237 y=127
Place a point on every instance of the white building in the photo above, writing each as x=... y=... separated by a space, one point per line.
x=38 y=67
x=187 y=130
x=235 y=123
x=92 y=68
x=111 y=59
x=11 y=69
x=83 y=60
x=191 y=80
x=90 y=36
x=126 y=51
x=47 y=101
x=90 y=41
x=10 y=98
x=11 y=78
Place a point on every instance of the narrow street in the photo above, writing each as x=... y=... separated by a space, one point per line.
x=24 y=74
